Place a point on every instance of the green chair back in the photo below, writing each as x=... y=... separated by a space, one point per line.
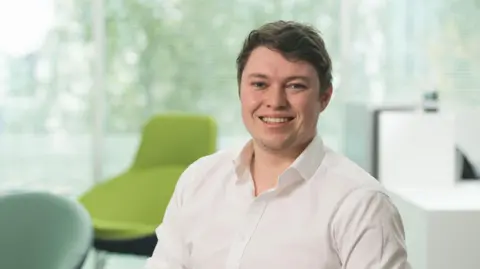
x=175 y=139
x=43 y=231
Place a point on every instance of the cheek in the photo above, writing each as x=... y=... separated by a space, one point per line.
x=249 y=102
x=310 y=110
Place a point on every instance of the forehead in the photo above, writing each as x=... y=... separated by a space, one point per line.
x=271 y=63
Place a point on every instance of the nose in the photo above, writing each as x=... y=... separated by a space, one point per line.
x=276 y=98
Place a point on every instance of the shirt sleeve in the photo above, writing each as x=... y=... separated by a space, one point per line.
x=369 y=233
x=170 y=251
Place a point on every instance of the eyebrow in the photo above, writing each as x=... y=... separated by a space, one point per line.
x=257 y=75
x=263 y=76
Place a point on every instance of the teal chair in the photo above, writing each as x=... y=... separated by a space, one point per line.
x=128 y=208
x=43 y=231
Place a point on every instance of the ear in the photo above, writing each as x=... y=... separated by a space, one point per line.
x=325 y=97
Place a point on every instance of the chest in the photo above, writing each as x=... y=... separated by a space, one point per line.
x=276 y=231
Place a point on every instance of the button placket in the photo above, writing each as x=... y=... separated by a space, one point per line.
x=253 y=217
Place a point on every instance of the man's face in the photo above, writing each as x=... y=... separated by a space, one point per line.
x=280 y=100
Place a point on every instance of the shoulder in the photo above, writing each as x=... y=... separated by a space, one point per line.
x=218 y=160
x=354 y=189
x=345 y=177
x=205 y=168
x=359 y=194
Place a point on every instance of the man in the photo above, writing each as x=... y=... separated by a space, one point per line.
x=285 y=200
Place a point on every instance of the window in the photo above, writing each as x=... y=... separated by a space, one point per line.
x=180 y=56
x=45 y=80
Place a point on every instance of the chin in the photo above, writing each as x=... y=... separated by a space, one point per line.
x=275 y=144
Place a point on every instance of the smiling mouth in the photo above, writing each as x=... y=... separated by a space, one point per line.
x=276 y=120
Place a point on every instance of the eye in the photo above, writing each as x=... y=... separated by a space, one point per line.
x=259 y=84
x=297 y=86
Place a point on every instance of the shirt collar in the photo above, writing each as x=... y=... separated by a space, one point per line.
x=309 y=161
x=306 y=163
x=243 y=158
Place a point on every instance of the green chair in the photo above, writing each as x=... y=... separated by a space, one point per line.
x=128 y=208
x=43 y=231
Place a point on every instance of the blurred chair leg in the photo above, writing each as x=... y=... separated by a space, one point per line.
x=100 y=259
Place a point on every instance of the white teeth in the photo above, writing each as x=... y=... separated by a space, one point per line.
x=274 y=120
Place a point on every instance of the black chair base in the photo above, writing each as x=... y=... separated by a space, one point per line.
x=139 y=246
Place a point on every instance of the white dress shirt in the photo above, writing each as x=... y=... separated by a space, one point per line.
x=325 y=213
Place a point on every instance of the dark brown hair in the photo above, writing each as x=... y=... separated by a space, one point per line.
x=295 y=41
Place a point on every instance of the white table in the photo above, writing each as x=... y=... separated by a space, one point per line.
x=442 y=226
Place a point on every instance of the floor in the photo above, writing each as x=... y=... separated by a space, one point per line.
x=118 y=262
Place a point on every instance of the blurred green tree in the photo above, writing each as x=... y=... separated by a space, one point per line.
x=180 y=55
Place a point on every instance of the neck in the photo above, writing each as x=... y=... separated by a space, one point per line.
x=277 y=160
